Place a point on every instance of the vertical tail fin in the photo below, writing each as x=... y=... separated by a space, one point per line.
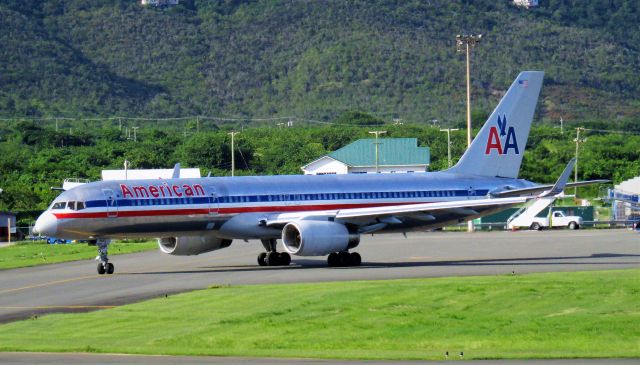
x=498 y=148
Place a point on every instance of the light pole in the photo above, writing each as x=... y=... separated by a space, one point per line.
x=377 y=133
x=449 y=130
x=233 y=160
x=577 y=140
x=465 y=43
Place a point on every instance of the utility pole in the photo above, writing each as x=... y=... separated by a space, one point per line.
x=377 y=133
x=577 y=140
x=449 y=130
x=465 y=43
x=233 y=160
x=135 y=134
x=56 y=125
x=561 y=126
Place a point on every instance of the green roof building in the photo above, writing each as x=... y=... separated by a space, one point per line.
x=395 y=155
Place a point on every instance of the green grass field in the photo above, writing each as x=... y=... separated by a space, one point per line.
x=553 y=315
x=32 y=253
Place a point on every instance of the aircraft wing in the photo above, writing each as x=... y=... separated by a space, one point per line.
x=424 y=211
x=466 y=207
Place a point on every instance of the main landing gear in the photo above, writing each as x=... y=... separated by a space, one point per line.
x=343 y=259
x=273 y=257
x=104 y=267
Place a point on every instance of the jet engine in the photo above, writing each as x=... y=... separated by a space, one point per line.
x=191 y=245
x=318 y=238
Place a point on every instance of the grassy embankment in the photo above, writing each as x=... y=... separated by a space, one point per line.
x=552 y=315
x=32 y=253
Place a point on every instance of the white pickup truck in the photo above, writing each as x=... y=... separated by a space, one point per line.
x=556 y=219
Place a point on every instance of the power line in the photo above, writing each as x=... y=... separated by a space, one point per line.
x=610 y=131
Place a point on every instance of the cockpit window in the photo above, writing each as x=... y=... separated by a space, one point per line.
x=59 y=205
x=69 y=205
x=75 y=205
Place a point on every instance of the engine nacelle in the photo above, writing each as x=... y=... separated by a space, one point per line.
x=191 y=245
x=317 y=238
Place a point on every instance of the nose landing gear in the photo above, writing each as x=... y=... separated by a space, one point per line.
x=104 y=267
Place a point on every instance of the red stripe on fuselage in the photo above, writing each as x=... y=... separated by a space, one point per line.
x=230 y=210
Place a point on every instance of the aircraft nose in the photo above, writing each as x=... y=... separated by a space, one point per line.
x=46 y=225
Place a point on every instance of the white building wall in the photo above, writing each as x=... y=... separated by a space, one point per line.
x=141 y=174
x=328 y=165
x=526 y=3
x=325 y=165
x=159 y=2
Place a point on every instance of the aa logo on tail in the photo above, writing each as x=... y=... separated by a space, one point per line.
x=502 y=139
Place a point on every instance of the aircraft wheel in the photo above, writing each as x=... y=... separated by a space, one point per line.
x=272 y=259
x=285 y=259
x=344 y=259
x=355 y=259
x=101 y=269
x=110 y=268
x=333 y=259
x=535 y=226
x=262 y=259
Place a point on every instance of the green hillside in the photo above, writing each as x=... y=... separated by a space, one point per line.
x=313 y=59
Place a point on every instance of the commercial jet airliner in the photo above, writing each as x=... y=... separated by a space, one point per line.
x=313 y=215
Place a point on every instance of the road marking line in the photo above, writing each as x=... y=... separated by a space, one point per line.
x=60 y=307
x=49 y=283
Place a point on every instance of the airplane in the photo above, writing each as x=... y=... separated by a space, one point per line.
x=313 y=215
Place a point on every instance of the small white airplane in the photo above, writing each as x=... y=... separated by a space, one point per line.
x=313 y=215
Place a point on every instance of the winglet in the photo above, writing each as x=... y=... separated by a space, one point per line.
x=176 y=171
x=562 y=181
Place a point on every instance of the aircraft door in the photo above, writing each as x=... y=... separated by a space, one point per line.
x=213 y=202
x=112 y=203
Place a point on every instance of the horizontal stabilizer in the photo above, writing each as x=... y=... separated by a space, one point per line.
x=541 y=188
x=562 y=180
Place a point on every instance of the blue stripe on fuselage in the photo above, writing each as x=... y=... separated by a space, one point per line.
x=271 y=198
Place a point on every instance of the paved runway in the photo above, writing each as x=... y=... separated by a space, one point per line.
x=75 y=286
x=106 y=359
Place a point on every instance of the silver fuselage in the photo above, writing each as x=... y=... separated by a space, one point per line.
x=179 y=207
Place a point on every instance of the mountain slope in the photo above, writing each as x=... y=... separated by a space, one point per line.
x=314 y=59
